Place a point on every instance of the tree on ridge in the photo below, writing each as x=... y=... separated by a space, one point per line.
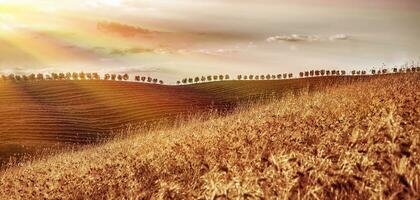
x=125 y=77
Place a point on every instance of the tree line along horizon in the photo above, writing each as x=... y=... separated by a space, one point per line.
x=311 y=73
x=209 y=78
x=78 y=76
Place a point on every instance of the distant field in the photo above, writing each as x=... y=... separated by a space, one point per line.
x=43 y=113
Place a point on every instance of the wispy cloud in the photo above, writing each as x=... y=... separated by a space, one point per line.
x=122 y=29
x=133 y=69
x=212 y=52
x=306 y=38
x=293 y=38
x=129 y=51
x=339 y=37
x=96 y=3
x=137 y=50
x=26 y=71
x=219 y=51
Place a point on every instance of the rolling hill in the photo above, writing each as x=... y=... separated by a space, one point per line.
x=354 y=140
x=39 y=114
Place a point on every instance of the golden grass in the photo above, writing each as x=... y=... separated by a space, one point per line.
x=354 y=141
x=35 y=115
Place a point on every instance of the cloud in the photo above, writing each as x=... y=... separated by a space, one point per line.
x=11 y=26
x=339 y=37
x=122 y=29
x=98 y=48
x=132 y=70
x=5 y=27
x=293 y=38
x=219 y=51
x=26 y=71
x=97 y=3
x=137 y=50
x=212 y=52
x=128 y=51
x=305 y=38
x=14 y=70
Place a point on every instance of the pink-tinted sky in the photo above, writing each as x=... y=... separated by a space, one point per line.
x=176 y=38
x=381 y=4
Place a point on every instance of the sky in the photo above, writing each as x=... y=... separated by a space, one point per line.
x=172 y=39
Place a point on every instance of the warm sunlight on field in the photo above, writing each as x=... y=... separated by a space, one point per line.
x=45 y=113
x=357 y=140
x=209 y=99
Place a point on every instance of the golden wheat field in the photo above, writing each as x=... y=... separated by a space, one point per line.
x=37 y=115
x=353 y=140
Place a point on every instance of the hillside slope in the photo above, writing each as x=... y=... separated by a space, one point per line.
x=39 y=114
x=353 y=141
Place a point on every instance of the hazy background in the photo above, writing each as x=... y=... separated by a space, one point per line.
x=172 y=39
